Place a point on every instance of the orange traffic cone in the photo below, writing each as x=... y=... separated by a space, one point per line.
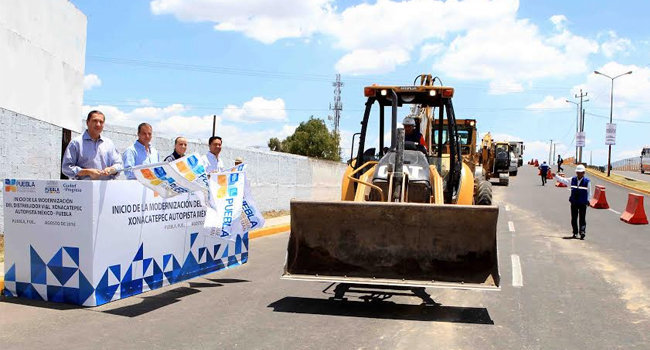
x=600 y=199
x=558 y=183
x=549 y=175
x=634 y=212
x=536 y=162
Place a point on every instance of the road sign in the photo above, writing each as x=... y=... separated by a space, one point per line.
x=580 y=139
x=610 y=134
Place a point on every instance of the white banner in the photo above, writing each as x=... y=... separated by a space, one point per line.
x=580 y=139
x=232 y=209
x=91 y=242
x=183 y=175
x=226 y=200
x=610 y=134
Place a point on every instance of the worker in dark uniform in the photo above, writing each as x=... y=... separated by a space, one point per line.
x=580 y=191
x=412 y=135
x=543 y=171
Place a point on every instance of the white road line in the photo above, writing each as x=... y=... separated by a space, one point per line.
x=511 y=226
x=507 y=208
x=517 y=277
x=614 y=211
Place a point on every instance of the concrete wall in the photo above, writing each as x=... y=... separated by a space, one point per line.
x=42 y=59
x=30 y=148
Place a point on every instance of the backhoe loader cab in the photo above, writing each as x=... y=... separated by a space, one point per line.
x=406 y=216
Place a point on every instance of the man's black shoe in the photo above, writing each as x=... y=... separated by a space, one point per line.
x=582 y=236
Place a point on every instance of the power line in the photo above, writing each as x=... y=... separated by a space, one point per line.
x=618 y=119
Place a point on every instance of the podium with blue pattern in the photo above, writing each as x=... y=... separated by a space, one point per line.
x=103 y=255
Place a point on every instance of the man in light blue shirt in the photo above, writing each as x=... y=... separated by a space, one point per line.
x=90 y=156
x=142 y=152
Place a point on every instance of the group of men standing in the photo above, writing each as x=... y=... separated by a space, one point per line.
x=91 y=156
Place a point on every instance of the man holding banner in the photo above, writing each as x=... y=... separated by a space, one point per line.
x=212 y=161
x=90 y=156
x=142 y=152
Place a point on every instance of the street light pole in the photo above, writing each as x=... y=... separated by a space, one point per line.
x=611 y=109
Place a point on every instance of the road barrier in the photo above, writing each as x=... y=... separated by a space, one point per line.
x=634 y=212
x=600 y=199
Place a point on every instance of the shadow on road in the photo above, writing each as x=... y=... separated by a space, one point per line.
x=153 y=302
x=383 y=310
x=39 y=303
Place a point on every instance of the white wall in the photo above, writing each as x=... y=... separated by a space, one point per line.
x=31 y=149
x=42 y=59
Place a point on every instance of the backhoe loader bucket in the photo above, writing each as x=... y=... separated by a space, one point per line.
x=405 y=244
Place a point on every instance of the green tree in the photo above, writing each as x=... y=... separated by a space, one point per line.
x=275 y=144
x=311 y=139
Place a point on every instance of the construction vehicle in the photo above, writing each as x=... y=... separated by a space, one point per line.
x=467 y=134
x=407 y=217
x=645 y=160
x=494 y=158
x=514 y=164
x=517 y=147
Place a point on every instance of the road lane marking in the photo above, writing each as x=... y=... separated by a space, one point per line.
x=517 y=277
x=507 y=208
x=511 y=226
x=614 y=211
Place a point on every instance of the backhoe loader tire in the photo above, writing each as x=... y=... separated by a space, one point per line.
x=484 y=193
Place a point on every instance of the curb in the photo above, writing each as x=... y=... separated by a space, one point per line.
x=617 y=183
x=267 y=231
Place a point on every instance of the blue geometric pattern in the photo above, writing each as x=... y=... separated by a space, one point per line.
x=61 y=280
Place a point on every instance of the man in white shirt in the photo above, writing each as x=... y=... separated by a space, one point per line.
x=142 y=152
x=212 y=161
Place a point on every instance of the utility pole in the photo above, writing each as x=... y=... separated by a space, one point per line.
x=554 y=158
x=336 y=106
x=549 y=152
x=611 y=109
x=214 y=125
x=581 y=121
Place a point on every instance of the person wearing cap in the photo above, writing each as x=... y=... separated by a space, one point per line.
x=410 y=134
x=543 y=171
x=580 y=187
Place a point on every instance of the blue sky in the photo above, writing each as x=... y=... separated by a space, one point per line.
x=263 y=66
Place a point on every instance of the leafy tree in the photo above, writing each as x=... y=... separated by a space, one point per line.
x=311 y=139
x=275 y=144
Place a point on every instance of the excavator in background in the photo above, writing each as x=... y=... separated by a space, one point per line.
x=467 y=135
x=494 y=158
x=407 y=217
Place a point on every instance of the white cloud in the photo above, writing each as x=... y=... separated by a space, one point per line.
x=257 y=109
x=490 y=43
x=430 y=50
x=482 y=54
x=559 y=21
x=614 y=45
x=173 y=120
x=91 y=81
x=629 y=90
x=366 y=61
x=550 y=102
x=263 y=20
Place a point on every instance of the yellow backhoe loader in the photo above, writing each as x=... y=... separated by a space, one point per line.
x=407 y=216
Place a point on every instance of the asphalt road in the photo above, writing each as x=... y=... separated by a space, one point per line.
x=564 y=294
x=636 y=175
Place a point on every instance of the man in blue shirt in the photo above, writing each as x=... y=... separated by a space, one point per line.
x=579 y=198
x=543 y=171
x=142 y=152
x=90 y=156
